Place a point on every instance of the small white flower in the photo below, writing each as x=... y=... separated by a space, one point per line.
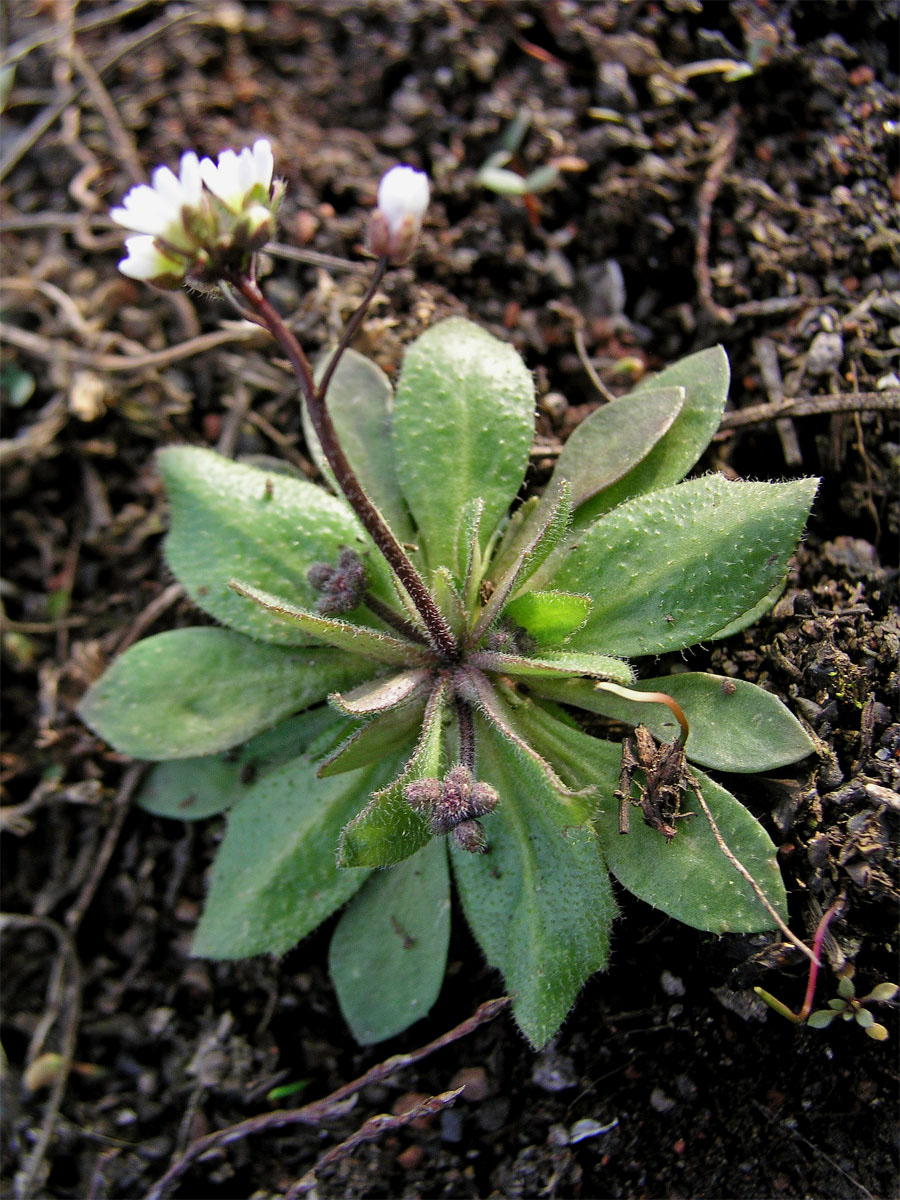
x=146 y=261
x=403 y=197
x=203 y=225
x=238 y=176
x=158 y=209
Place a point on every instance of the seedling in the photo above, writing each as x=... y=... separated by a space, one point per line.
x=846 y=1004
x=496 y=174
x=456 y=635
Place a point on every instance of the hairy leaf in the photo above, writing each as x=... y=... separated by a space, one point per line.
x=389 y=950
x=551 y=664
x=333 y=631
x=192 y=692
x=735 y=725
x=463 y=424
x=704 y=377
x=231 y=521
x=275 y=877
x=690 y=878
x=544 y=537
x=388 y=829
x=549 y=617
x=668 y=569
x=397 y=728
x=614 y=439
x=381 y=694
x=538 y=902
x=191 y=788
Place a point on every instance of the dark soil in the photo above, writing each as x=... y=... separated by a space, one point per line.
x=758 y=212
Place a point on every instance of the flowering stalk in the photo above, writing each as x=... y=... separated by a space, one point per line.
x=440 y=635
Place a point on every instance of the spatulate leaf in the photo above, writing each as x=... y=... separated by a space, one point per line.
x=389 y=950
x=463 y=418
x=198 y=691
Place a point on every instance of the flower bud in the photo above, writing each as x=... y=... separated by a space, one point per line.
x=394 y=227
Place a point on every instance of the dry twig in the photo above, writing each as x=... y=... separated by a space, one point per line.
x=812 y=406
x=722 y=154
x=318 y=1110
x=370 y=1131
x=64 y=1004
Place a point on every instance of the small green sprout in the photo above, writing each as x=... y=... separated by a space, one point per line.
x=845 y=1005
x=850 y=1007
x=496 y=175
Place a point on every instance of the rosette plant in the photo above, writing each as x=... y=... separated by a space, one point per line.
x=393 y=694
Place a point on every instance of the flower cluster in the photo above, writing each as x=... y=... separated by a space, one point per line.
x=204 y=223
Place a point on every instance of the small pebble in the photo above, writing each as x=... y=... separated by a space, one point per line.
x=554 y=1072
x=671 y=984
x=660 y=1102
x=474 y=1082
x=587 y=1127
x=825 y=353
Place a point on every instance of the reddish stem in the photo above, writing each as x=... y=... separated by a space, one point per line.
x=439 y=632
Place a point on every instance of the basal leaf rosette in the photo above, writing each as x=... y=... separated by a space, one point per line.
x=472 y=763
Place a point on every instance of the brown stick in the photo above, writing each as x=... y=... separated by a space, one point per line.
x=318 y=1110
x=722 y=154
x=812 y=406
x=369 y=1132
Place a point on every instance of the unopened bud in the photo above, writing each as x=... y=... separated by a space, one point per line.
x=470 y=836
x=394 y=227
x=342 y=587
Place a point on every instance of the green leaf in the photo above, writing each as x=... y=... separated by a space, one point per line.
x=735 y=725
x=752 y=615
x=396 y=728
x=275 y=877
x=463 y=425
x=528 y=555
x=882 y=992
x=572 y=807
x=191 y=788
x=539 y=904
x=668 y=569
x=614 y=439
x=820 y=1019
x=552 y=664
x=389 y=950
x=355 y=639
x=864 y=1018
x=381 y=694
x=231 y=521
x=704 y=377
x=388 y=829
x=468 y=551
x=549 y=616
x=192 y=692
x=690 y=878
x=846 y=987
x=360 y=402
x=448 y=600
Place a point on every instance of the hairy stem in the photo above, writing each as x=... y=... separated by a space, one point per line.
x=440 y=635
x=390 y=617
x=351 y=327
x=466 y=726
